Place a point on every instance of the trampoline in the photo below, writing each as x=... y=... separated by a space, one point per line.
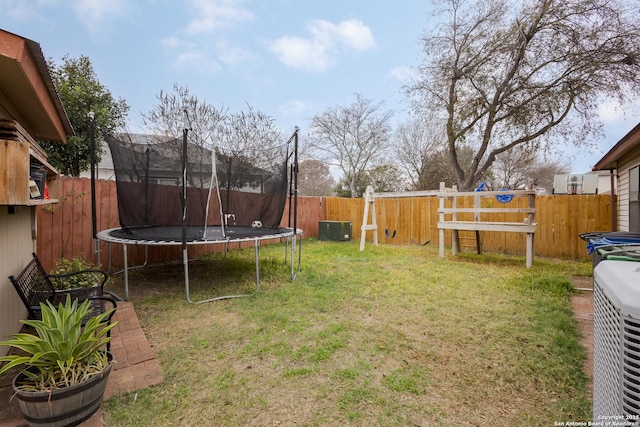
x=171 y=236
x=186 y=192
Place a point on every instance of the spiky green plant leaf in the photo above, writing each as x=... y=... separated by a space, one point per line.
x=62 y=351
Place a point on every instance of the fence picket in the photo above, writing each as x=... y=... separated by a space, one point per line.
x=65 y=229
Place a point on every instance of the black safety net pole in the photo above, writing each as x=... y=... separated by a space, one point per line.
x=227 y=210
x=294 y=177
x=295 y=183
x=146 y=185
x=183 y=200
x=92 y=160
x=290 y=191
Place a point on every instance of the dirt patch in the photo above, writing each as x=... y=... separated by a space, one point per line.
x=583 y=282
x=582 y=304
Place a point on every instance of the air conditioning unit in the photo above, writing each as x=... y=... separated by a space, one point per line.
x=574 y=184
x=560 y=184
x=616 y=348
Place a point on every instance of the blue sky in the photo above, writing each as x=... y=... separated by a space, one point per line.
x=291 y=59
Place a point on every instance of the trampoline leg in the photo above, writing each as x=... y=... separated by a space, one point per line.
x=109 y=257
x=293 y=255
x=126 y=272
x=96 y=250
x=133 y=267
x=185 y=263
x=286 y=249
x=185 y=260
x=257 y=248
x=299 y=256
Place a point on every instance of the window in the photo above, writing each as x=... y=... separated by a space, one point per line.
x=163 y=181
x=634 y=199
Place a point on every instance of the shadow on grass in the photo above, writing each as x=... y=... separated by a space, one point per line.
x=212 y=275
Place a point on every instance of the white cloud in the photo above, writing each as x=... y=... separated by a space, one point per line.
x=21 y=10
x=302 y=53
x=327 y=41
x=402 y=74
x=95 y=14
x=295 y=106
x=612 y=112
x=609 y=111
x=195 y=60
x=352 y=34
x=232 y=55
x=172 y=42
x=216 y=14
x=209 y=15
x=190 y=56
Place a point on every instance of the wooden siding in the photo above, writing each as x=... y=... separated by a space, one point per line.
x=629 y=161
x=16 y=246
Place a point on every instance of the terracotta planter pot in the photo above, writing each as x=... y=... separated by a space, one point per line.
x=67 y=406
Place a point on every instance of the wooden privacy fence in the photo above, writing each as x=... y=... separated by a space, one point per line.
x=560 y=220
x=65 y=230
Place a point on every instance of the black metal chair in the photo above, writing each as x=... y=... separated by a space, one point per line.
x=35 y=286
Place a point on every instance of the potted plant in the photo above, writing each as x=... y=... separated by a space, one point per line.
x=65 y=369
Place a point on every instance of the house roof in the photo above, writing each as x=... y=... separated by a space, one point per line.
x=27 y=92
x=626 y=144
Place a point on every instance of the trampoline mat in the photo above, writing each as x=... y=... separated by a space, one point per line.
x=195 y=234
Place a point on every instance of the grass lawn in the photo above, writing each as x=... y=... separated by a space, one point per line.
x=392 y=336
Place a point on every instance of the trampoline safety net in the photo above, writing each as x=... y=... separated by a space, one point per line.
x=234 y=192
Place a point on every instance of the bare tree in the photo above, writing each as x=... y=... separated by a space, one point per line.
x=504 y=73
x=437 y=168
x=250 y=134
x=543 y=171
x=386 y=177
x=314 y=179
x=351 y=138
x=247 y=143
x=179 y=109
x=415 y=143
x=513 y=169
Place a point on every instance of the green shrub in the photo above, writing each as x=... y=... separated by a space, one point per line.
x=66 y=266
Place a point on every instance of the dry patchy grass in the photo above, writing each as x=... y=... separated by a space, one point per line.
x=392 y=336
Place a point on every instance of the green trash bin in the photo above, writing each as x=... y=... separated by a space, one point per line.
x=619 y=252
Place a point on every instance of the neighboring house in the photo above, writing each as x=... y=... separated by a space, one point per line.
x=623 y=162
x=605 y=183
x=104 y=168
x=29 y=108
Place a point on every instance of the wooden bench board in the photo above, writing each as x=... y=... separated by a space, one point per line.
x=449 y=211
x=516 y=227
